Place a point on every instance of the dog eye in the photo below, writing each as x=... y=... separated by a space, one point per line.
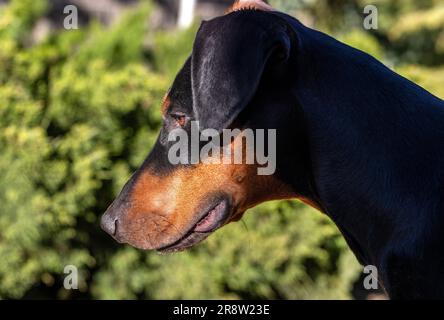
x=180 y=118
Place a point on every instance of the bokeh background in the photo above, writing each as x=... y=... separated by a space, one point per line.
x=79 y=111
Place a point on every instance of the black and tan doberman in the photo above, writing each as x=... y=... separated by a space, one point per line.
x=354 y=139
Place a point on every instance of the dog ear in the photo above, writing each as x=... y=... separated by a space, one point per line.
x=228 y=59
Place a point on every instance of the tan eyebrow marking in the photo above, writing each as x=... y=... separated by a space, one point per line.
x=166 y=103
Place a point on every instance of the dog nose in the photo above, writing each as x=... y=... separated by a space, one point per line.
x=109 y=224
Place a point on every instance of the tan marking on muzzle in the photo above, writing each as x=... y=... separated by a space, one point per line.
x=167 y=207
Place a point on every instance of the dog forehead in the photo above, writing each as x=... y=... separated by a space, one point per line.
x=230 y=24
x=249 y=5
x=231 y=34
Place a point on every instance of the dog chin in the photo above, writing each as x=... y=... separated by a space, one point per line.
x=185 y=243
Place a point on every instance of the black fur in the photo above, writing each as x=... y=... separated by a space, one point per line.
x=376 y=143
x=372 y=141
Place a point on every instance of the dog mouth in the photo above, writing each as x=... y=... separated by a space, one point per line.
x=213 y=219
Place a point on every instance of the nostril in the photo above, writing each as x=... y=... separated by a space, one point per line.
x=116 y=222
x=109 y=224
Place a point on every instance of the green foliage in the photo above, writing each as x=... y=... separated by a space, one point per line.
x=69 y=110
x=14 y=29
x=80 y=111
x=172 y=49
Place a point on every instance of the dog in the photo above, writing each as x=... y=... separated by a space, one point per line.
x=355 y=140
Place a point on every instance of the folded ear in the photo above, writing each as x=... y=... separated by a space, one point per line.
x=228 y=61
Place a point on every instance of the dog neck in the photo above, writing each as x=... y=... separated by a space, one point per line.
x=369 y=130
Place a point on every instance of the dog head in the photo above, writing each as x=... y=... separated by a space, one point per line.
x=239 y=77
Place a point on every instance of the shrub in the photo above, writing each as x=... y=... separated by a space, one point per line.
x=80 y=111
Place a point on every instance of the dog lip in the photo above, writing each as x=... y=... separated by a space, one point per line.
x=190 y=239
x=213 y=219
x=208 y=223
